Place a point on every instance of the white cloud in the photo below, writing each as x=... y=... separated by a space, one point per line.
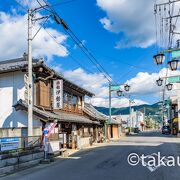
x=92 y=82
x=132 y=18
x=30 y=3
x=145 y=83
x=116 y=102
x=97 y=84
x=13 y=30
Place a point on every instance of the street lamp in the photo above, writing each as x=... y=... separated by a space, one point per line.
x=169 y=86
x=173 y=64
x=159 y=58
x=119 y=93
x=126 y=87
x=159 y=82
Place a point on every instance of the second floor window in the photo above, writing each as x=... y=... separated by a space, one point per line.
x=71 y=101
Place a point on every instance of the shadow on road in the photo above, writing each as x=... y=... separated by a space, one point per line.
x=109 y=162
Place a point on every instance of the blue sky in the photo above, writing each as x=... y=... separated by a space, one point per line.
x=102 y=27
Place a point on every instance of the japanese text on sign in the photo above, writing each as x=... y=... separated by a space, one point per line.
x=58 y=94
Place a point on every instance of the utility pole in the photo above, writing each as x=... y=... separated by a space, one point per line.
x=30 y=78
x=130 y=115
x=109 y=102
x=144 y=118
x=109 y=120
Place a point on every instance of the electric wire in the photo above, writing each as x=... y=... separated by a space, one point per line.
x=81 y=46
x=23 y=8
x=64 y=2
x=53 y=37
x=155 y=15
x=141 y=58
x=72 y=57
x=66 y=52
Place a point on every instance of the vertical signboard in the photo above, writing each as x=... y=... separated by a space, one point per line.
x=58 y=94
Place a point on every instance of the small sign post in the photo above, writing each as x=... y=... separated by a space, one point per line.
x=46 y=144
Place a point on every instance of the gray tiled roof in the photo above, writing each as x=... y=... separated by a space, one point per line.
x=22 y=63
x=91 y=111
x=14 y=64
x=113 y=121
x=59 y=116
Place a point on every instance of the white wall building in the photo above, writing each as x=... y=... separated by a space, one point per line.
x=136 y=118
x=12 y=89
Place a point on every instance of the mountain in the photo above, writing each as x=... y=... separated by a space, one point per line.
x=149 y=109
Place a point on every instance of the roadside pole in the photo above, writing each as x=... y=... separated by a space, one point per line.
x=129 y=115
x=109 y=120
x=178 y=96
x=30 y=71
x=30 y=80
x=110 y=103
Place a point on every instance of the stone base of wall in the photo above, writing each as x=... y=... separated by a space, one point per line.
x=13 y=164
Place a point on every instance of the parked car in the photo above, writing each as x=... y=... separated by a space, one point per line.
x=166 y=130
x=136 y=130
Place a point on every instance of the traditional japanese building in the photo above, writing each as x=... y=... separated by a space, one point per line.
x=56 y=100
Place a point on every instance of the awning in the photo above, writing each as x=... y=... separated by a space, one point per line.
x=45 y=115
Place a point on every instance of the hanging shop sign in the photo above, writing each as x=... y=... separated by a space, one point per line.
x=58 y=94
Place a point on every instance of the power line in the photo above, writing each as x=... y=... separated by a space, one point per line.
x=98 y=65
x=69 y=54
x=65 y=51
x=24 y=9
x=66 y=47
x=124 y=62
x=44 y=7
x=77 y=41
x=61 y=3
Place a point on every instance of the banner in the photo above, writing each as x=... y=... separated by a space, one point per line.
x=49 y=129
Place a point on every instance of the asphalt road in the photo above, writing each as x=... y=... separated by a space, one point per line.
x=109 y=162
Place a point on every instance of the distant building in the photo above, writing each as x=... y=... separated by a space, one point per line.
x=137 y=117
x=114 y=128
